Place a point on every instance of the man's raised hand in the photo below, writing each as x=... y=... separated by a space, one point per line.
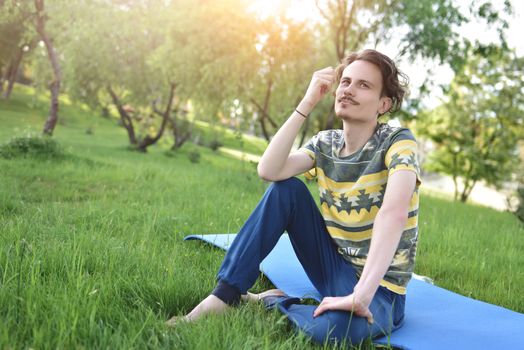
x=320 y=85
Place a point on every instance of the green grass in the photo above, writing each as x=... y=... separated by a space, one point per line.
x=91 y=250
x=231 y=139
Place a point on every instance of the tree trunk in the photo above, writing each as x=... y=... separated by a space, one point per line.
x=262 y=122
x=468 y=182
x=463 y=196
x=331 y=118
x=180 y=136
x=263 y=109
x=1 y=78
x=468 y=187
x=262 y=119
x=148 y=140
x=127 y=122
x=12 y=72
x=50 y=123
x=455 y=182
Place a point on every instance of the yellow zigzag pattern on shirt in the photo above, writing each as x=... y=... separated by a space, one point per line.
x=404 y=147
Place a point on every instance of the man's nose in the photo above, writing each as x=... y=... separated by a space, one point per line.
x=349 y=90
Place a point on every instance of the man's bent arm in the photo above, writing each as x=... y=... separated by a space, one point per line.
x=387 y=230
x=277 y=163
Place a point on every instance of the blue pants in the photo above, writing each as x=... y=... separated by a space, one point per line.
x=288 y=206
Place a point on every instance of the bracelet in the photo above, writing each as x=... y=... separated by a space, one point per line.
x=302 y=114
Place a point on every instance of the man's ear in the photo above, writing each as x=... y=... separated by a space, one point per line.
x=385 y=105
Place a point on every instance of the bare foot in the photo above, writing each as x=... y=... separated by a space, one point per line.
x=253 y=298
x=210 y=305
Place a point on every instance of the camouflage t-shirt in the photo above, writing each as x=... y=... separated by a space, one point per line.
x=352 y=190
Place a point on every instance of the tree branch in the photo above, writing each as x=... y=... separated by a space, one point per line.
x=124 y=116
x=148 y=140
x=322 y=13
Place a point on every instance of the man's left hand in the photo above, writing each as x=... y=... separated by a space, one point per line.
x=347 y=303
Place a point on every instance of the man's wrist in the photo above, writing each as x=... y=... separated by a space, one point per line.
x=302 y=114
x=361 y=295
x=305 y=107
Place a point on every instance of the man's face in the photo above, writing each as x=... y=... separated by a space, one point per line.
x=357 y=97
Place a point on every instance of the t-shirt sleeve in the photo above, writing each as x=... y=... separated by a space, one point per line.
x=311 y=149
x=402 y=154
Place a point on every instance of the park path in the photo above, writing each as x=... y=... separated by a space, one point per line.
x=481 y=194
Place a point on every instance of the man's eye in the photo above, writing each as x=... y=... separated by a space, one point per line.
x=364 y=85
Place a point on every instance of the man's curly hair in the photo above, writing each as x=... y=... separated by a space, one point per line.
x=394 y=82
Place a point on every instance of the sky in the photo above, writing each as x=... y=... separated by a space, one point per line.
x=306 y=9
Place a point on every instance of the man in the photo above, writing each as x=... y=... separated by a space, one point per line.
x=359 y=250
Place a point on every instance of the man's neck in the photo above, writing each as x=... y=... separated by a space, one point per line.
x=356 y=135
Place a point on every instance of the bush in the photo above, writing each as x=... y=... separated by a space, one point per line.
x=31 y=146
x=194 y=155
x=215 y=144
x=170 y=153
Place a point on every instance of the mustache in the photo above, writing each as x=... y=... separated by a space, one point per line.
x=349 y=99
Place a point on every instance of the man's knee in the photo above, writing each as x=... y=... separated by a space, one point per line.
x=340 y=327
x=353 y=332
x=289 y=186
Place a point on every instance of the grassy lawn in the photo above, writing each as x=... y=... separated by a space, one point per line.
x=91 y=250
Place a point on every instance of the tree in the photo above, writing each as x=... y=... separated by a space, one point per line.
x=108 y=52
x=16 y=40
x=127 y=115
x=476 y=131
x=54 y=86
x=19 y=14
x=282 y=71
x=209 y=51
x=426 y=29
x=141 y=54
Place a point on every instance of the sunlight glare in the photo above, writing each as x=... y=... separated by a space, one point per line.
x=299 y=10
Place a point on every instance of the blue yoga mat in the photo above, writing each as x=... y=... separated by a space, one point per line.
x=435 y=317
